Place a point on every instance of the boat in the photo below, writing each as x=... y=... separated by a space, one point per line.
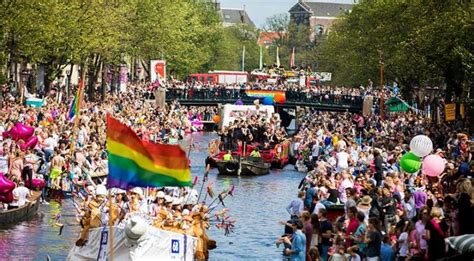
x=22 y=213
x=248 y=167
x=277 y=156
x=143 y=243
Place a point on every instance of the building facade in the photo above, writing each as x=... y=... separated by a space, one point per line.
x=318 y=16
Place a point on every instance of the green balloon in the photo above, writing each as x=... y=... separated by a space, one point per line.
x=410 y=162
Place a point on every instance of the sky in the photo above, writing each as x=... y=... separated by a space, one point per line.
x=259 y=10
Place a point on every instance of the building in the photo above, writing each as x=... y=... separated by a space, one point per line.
x=233 y=16
x=317 y=15
x=266 y=39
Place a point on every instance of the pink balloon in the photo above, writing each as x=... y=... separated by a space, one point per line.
x=12 y=133
x=433 y=165
x=37 y=184
x=8 y=198
x=30 y=143
x=24 y=132
x=6 y=185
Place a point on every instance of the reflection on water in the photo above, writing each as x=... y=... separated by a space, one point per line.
x=258 y=203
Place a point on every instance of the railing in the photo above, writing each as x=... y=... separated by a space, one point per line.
x=293 y=98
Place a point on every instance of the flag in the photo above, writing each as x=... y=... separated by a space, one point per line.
x=292 y=59
x=210 y=192
x=243 y=58
x=278 y=58
x=74 y=107
x=137 y=163
x=261 y=59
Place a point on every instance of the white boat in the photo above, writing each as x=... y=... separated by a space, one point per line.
x=149 y=244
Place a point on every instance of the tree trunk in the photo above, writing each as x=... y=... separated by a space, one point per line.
x=104 y=81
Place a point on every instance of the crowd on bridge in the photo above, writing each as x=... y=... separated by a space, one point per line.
x=354 y=165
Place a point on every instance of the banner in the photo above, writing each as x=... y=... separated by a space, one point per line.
x=123 y=77
x=323 y=76
x=158 y=70
x=263 y=93
x=450 y=111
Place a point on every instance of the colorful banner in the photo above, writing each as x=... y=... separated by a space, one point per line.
x=263 y=93
x=158 y=70
x=450 y=111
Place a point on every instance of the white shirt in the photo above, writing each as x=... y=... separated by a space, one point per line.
x=403 y=242
x=50 y=143
x=342 y=160
x=318 y=207
x=4 y=164
x=21 y=193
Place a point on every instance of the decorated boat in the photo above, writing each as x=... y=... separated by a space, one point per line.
x=137 y=240
x=22 y=213
x=277 y=156
x=248 y=167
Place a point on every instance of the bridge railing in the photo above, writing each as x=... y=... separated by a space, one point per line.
x=231 y=95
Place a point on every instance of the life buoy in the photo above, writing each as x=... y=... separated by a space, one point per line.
x=231 y=167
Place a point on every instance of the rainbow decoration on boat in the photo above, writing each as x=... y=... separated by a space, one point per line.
x=138 y=163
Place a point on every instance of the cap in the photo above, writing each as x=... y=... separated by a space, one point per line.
x=168 y=199
x=137 y=190
x=101 y=190
x=160 y=194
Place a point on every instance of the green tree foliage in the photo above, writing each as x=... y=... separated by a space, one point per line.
x=422 y=43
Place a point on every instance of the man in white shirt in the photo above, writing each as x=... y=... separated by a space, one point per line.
x=20 y=195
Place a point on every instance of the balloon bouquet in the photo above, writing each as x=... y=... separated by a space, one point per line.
x=24 y=136
x=23 y=133
x=431 y=165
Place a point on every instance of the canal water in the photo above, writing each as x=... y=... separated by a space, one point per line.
x=257 y=205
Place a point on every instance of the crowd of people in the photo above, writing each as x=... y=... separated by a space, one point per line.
x=388 y=214
x=81 y=172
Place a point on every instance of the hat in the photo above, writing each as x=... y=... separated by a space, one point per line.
x=135 y=228
x=168 y=199
x=176 y=201
x=365 y=200
x=116 y=191
x=137 y=190
x=160 y=194
x=101 y=190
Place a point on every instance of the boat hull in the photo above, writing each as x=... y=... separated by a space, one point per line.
x=248 y=168
x=22 y=213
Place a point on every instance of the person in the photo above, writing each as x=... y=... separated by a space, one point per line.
x=298 y=244
x=434 y=235
x=403 y=242
x=317 y=205
x=311 y=192
x=27 y=172
x=307 y=229
x=227 y=156
x=296 y=206
x=364 y=206
x=351 y=226
x=255 y=153
x=378 y=162
x=326 y=233
x=373 y=239
x=359 y=234
x=20 y=196
x=386 y=251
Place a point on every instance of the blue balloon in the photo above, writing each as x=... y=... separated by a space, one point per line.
x=239 y=102
x=268 y=101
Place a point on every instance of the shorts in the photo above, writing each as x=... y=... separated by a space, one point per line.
x=55 y=173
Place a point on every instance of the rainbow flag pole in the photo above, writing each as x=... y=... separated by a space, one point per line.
x=76 y=106
x=137 y=163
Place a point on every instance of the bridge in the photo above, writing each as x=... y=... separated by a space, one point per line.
x=321 y=101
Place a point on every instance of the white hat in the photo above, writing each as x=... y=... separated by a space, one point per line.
x=160 y=194
x=168 y=199
x=176 y=201
x=137 y=190
x=101 y=190
x=135 y=228
x=115 y=191
x=185 y=212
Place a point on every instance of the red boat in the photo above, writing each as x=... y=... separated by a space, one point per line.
x=278 y=156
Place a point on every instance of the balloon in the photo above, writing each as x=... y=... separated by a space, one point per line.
x=268 y=101
x=279 y=98
x=433 y=165
x=421 y=145
x=37 y=184
x=216 y=118
x=8 y=198
x=410 y=162
x=239 y=102
x=6 y=185
x=30 y=143
x=24 y=132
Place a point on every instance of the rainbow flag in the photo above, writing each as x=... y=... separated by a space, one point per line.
x=263 y=93
x=137 y=163
x=75 y=103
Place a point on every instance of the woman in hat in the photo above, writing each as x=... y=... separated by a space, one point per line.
x=364 y=206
